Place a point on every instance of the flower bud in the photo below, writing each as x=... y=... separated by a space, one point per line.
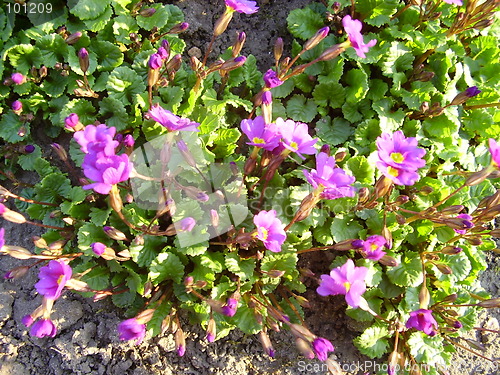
x=73 y=38
x=179 y=28
x=180 y=342
x=331 y=53
x=443 y=268
x=222 y=23
x=234 y=63
x=13 y=216
x=477 y=177
x=490 y=303
x=451 y=250
x=278 y=49
x=476 y=241
x=175 y=63
x=484 y=23
x=450 y=298
x=43 y=71
x=317 y=38
x=83 y=58
x=304 y=348
x=18 y=78
x=275 y=273
x=17 y=252
x=17 y=107
x=382 y=186
x=389 y=261
x=465 y=95
x=61 y=152
x=238 y=44
x=211 y=330
x=114 y=233
x=266 y=344
x=424 y=297
x=148 y=12
x=452 y=210
x=339 y=156
x=16 y=273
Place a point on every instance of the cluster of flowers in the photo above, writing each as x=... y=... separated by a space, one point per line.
x=101 y=164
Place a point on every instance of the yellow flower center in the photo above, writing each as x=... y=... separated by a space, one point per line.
x=397 y=157
x=258 y=140
x=347 y=286
x=373 y=247
x=265 y=233
x=392 y=171
x=59 y=280
x=294 y=145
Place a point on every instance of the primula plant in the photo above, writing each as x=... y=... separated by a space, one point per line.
x=196 y=185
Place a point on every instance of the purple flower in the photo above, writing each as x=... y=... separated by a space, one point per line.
x=348 y=280
x=2 y=230
x=171 y=121
x=243 y=6
x=399 y=158
x=373 y=246
x=155 y=61
x=495 y=152
x=321 y=347
x=98 y=248
x=42 y=328
x=296 y=137
x=260 y=134
x=163 y=53
x=271 y=79
x=131 y=329
x=17 y=106
x=269 y=230
x=353 y=30
x=467 y=221
x=473 y=90
x=18 y=78
x=29 y=149
x=456 y=2
x=53 y=278
x=106 y=171
x=128 y=141
x=333 y=180
x=97 y=139
x=27 y=320
x=422 y=320
x=267 y=98
x=71 y=121
x=187 y=224
x=230 y=308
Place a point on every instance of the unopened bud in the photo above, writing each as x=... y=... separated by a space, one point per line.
x=266 y=344
x=402 y=199
x=303 y=302
x=478 y=177
x=17 y=252
x=389 y=261
x=451 y=250
x=450 y=298
x=317 y=38
x=222 y=22
x=453 y=210
x=339 y=156
x=476 y=241
x=275 y=273
x=278 y=49
x=483 y=24
x=13 y=217
x=424 y=297
x=114 y=233
x=345 y=245
x=426 y=190
x=234 y=63
x=83 y=58
x=382 y=186
x=43 y=71
x=304 y=348
x=61 y=152
x=175 y=63
x=331 y=53
x=179 y=28
x=490 y=303
x=238 y=44
x=16 y=273
x=147 y=12
x=211 y=330
x=249 y=167
x=444 y=268
x=73 y=38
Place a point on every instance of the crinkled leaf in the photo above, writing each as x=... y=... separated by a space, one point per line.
x=304 y=23
x=373 y=341
x=361 y=169
x=345 y=228
x=377 y=12
x=329 y=95
x=408 y=272
x=124 y=84
x=113 y=113
x=357 y=79
x=89 y=9
x=166 y=266
x=123 y=26
x=24 y=56
x=10 y=126
x=241 y=267
x=301 y=109
x=53 y=49
x=108 y=54
x=333 y=133
x=159 y=18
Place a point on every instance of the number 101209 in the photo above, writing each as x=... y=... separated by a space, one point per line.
x=29 y=8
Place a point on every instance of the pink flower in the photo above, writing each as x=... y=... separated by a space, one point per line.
x=71 y=121
x=187 y=224
x=495 y=152
x=155 y=61
x=321 y=348
x=373 y=246
x=260 y=134
x=42 y=328
x=467 y=222
x=18 y=78
x=131 y=329
x=353 y=30
x=422 y=320
x=243 y=6
x=269 y=230
x=271 y=79
x=399 y=158
x=348 y=280
x=53 y=278
x=2 y=233
x=334 y=181
x=230 y=308
x=295 y=137
x=456 y=2
x=17 y=106
x=106 y=171
x=171 y=121
x=97 y=139
x=98 y=248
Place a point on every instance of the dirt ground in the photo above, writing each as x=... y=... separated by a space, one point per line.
x=87 y=341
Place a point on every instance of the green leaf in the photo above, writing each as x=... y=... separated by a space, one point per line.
x=10 y=126
x=24 y=56
x=334 y=133
x=361 y=169
x=159 y=19
x=240 y=267
x=82 y=107
x=399 y=58
x=27 y=161
x=166 y=266
x=283 y=90
x=144 y=254
x=226 y=142
x=108 y=54
x=427 y=349
x=323 y=234
x=160 y=313
x=377 y=12
x=123 y=26
x=53 y=49
x=114 y=113
x=124 y=299
x=52 y=187
x=89 y=9
x=408 y=272
x=357 y=79
x=98 y=278
x=345 y=228
x=245 y=319
x=301 y=109
x=329 y=95
x=304 y=23
x=373 y=341
x=99 y=216
x=89 y=233
x=124 y=84
x=279 y=261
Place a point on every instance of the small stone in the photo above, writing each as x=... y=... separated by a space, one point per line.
x=194 y=51
x=6 y=301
